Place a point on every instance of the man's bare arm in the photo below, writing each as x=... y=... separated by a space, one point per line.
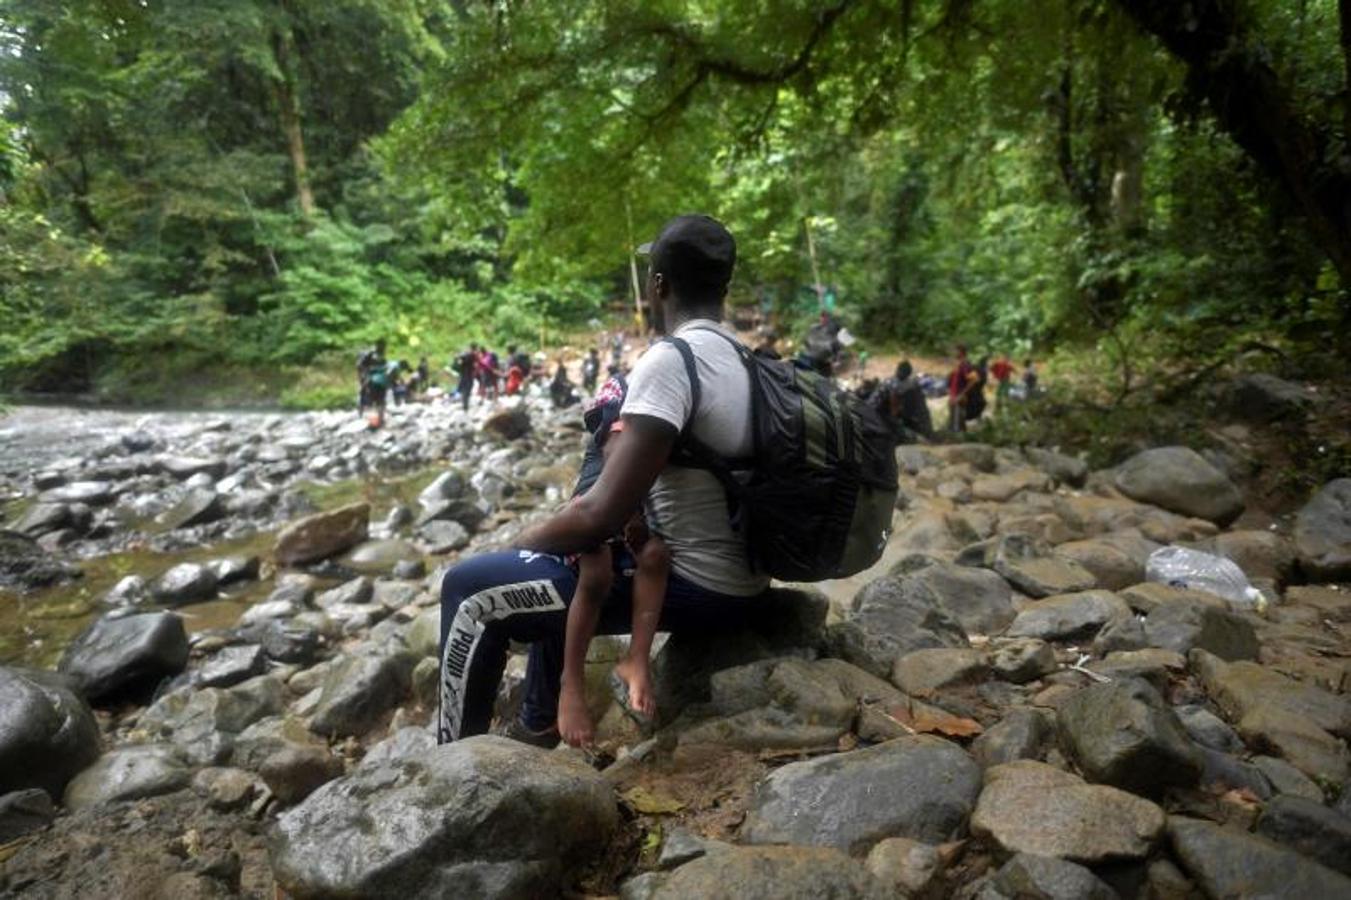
x=603 y=510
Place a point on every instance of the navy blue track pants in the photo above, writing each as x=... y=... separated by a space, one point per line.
x=492 y=599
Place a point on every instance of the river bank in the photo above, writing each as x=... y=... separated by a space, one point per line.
x=235 y=698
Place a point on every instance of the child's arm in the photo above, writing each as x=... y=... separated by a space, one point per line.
x=593 y=585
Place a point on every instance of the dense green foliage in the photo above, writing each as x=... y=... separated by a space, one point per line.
x=268 y=181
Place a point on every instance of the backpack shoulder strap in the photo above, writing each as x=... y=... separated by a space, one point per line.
x=687 y=357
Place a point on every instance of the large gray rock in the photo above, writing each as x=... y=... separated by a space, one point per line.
x=1298 y=720
x=1323 y=533
x=184 y=583
x=1067 y=470
x=1208 y=729
x=1021 y=660
x=380 y=557
x=25 y=564
x=779 y=703
x=443 y=536
x=448 y=485
x=1046 y=576
x=359 y=690
x=1180 y=480
x=464 y=511
x=891 y=616
x=127 y=656
x=95 y=493
x=1048 y=878
x=782 y=623
x=1030 y=807
x=129 y=773
x=921 y=672
x=1182 y=625
x=1069 y=615
x=1111 y=566
x=184 y=467
x=977 y=598
x=1227 y=862
x=1311 y=828
x=204 y=723
x=763 y=873
x=917 y=787
x=355 y=591
x=483 y=817
x=1022 y=734
x=41 y=518
x=197 y=507
x=1124 y=734
x=1261 y=398
x=47 y=733
x=231 y=665
x=322 y=535
x=296 y=771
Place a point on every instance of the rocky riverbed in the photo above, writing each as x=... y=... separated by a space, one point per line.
x=218 y=671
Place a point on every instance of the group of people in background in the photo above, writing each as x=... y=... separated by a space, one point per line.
x=380 y=379
x=901 y=399
x=492 y=375
x=477 y=370
x=967 y=383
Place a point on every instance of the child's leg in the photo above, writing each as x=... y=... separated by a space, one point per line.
x=649 y=591
x=594 y=579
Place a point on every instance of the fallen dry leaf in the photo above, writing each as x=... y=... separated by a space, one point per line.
x=651 y=803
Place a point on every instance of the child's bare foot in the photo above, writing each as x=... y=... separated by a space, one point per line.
x=574 y=720
x=637 y=675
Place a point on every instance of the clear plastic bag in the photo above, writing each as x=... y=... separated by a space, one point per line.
x=1192 y=569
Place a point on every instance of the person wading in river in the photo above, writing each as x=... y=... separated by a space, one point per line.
x=492 y=599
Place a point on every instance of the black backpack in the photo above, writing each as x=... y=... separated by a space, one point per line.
x=816 y=497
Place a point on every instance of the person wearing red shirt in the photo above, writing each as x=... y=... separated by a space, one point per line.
x=1002 y=370
x=960 y=382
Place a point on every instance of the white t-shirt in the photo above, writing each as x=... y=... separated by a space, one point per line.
x=686 y=506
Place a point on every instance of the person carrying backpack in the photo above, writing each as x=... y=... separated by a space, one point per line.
x=591 y=371
x=466 y=370
x=706 y=426
x=373 y=375
x=960 y=382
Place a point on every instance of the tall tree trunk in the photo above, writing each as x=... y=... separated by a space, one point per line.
x=288 y=105
x=1256 y=108
x=1344 y=9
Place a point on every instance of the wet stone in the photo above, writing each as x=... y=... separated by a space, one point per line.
x=918 y=787
x=24 y=812
x=129 y=773
x=1309 y=827
x=433 y=825
x=47 y=733
x=1048 y=878
x=232 y=665
x=1022 y=734
x=1227 y=862
x=1124 y=734
x=127 y=656
x=184 y=583
x=1030 y=807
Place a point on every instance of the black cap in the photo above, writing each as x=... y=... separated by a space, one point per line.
x=696 y=252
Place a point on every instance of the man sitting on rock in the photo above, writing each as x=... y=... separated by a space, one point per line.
x=523 y=595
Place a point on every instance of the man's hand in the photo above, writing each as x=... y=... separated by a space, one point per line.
x=627 y=477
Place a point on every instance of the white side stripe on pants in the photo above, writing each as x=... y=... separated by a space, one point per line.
x=476 y=611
